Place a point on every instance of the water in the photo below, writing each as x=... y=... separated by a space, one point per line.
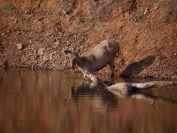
x=52 y=102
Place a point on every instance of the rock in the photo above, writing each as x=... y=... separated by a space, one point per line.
x=41 y=51
x=45 y=58
x=50 y=56
x=19 y=46
x=64 y=12
x=23 y=59
x=146 y=10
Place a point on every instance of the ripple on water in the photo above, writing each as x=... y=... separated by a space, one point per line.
x=50 y=101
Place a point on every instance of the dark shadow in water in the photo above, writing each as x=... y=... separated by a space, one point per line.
x=137 y=67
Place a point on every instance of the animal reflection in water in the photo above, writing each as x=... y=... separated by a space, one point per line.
x=95 y=59
x=129 y=88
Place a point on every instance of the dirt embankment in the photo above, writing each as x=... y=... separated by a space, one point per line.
x=35 y=33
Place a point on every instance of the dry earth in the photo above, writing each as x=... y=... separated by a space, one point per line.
x=35 y=33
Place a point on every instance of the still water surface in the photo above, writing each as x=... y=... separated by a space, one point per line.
x=51 y=102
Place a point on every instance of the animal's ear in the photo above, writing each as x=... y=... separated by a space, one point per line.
x=67 y=51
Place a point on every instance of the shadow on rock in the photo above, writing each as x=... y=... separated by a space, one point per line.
x=137 y=67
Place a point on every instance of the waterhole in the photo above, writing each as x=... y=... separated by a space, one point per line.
x=38 y=101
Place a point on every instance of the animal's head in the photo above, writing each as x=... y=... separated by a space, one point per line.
x=74 y=55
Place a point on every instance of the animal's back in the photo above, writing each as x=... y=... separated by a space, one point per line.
x=110 y=45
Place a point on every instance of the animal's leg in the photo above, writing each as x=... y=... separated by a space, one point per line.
x=112 y=67
x=86 y=74
x=91 y=76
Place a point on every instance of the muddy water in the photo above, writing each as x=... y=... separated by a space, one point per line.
x=51 y=102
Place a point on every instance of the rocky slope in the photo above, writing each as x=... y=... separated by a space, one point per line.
x=35 y=33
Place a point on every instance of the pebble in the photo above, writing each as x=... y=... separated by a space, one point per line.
x=41 y=51
x=19 y=46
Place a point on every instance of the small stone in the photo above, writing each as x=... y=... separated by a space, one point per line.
x=146 y=10
x=41 y=51
x=45 y=58
x=50 y=56
x=23 y=59
x=19 y=46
